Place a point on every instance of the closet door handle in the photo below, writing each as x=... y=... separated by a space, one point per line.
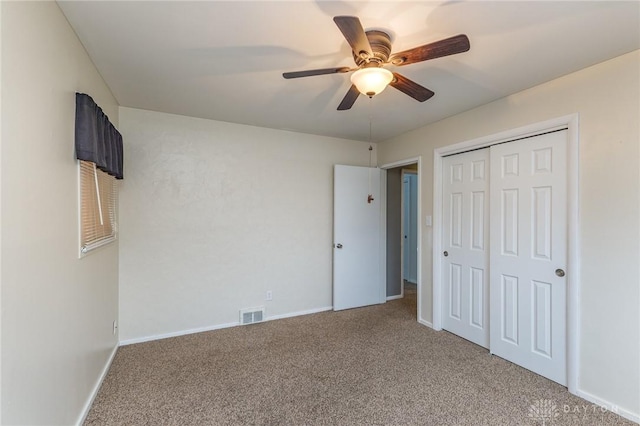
x=446 y=253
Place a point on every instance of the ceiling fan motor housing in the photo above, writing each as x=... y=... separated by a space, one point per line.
x=380 y=46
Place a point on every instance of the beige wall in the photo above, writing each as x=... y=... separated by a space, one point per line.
x=606 y=97
x=57 y=310
x=215 y=214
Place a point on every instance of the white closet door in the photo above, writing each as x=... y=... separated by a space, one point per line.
x=465 y=245
x=529 y=252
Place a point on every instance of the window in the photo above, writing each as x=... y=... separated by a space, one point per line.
x=98 y=198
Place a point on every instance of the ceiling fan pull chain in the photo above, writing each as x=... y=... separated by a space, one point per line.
x=370 y=196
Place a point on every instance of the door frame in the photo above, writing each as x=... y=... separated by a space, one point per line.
x=393 y=165
x=571 y=122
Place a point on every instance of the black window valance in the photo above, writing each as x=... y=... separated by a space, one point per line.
x=97 y=139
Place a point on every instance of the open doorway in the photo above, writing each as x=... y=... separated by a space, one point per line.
x=403 y=233
x=410 y=225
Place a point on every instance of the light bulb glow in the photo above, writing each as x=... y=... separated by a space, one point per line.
x=371 y=81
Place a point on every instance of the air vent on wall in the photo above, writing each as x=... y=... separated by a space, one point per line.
x=251 y=315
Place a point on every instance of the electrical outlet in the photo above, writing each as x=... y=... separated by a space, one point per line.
x=115 y=327
x=269 y=295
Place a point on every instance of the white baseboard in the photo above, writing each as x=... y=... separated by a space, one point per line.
x=299 y=313
x=177 y=333
x=217 y=327
x=399 y=296
x=96 y=388
x=423 y=322
x=634 y=417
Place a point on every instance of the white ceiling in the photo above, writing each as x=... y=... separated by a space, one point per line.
x=224 y=60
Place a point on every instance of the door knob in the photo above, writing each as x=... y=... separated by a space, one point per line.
x=339 y=245
x=560 y=273
x=446 y=253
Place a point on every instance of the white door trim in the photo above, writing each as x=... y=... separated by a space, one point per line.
x=393 y=165
x=571 y=122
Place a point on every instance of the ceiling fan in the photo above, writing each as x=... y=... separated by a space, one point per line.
x=372 y=51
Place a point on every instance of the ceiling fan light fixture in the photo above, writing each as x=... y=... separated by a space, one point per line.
x=371 y=81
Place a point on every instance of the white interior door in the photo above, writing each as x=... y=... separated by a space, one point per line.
x=410 y=229
x=529 y=252
x=465 y=246
x=357 y=264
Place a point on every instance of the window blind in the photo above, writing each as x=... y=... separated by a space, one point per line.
x=98 y=197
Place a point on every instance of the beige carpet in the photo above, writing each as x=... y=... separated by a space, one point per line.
x=367 y=366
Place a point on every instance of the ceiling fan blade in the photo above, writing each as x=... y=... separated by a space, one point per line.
x=309 y=73
x=354 y=33
x=349 y=99
x=448 y=46
x=411 y=88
